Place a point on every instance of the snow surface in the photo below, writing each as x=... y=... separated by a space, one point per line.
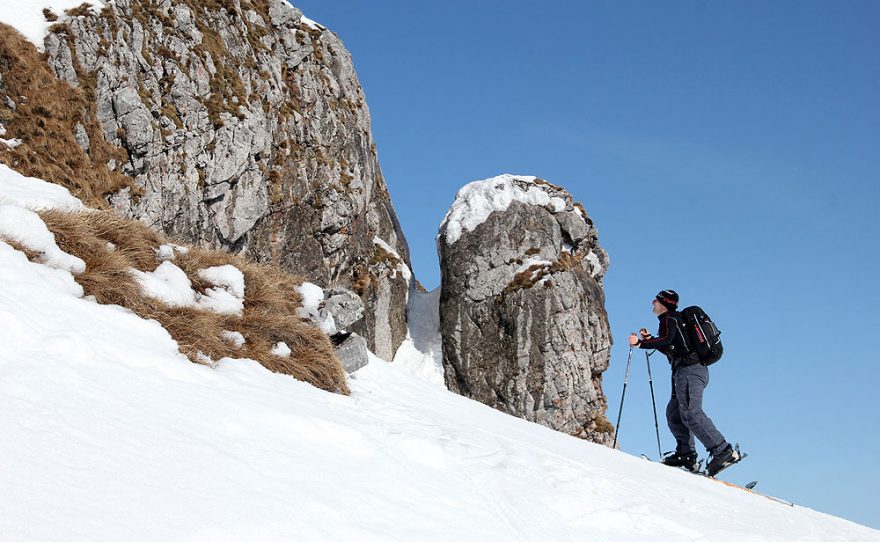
x=170 y=285
x=234 y=337
x=281 y=349
x=169 y=251
x=475 y=201
x=35 y=194
x=11 y=143
x=108 y=433
x=227 y=277
x=28 y=229
x=421 y=353
x=27 y=17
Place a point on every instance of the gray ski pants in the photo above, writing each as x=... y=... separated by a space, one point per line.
x=685 y=415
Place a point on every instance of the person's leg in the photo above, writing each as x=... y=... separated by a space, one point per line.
x=690 y=382
x=684 y=438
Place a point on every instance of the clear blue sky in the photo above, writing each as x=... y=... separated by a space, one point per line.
x=729 y=151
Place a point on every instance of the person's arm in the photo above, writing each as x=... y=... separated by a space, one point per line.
x=664 y=338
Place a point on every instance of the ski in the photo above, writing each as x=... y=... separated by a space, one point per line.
x=698 y=471
x=750 y=488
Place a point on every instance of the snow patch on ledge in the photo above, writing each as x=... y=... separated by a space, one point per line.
x=312 y=24
x=402 y=268
x=27 y=17
x=475 y=201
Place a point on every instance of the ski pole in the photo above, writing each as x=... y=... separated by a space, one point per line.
x=653 y=402
x=619 y=412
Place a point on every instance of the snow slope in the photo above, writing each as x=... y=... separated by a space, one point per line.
x=421 y=353
x=27 y=17
x=108 y=433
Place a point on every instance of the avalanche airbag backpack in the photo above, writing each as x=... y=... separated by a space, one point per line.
x=703 y=336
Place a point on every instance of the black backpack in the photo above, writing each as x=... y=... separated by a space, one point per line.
x=703 y=337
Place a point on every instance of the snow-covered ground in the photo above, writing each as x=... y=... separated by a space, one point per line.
x=27 y=16
x=108 y=433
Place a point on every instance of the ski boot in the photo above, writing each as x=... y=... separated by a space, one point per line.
x=686 y=460
x=723 y=459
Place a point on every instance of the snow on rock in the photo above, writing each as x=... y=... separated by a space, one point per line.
x=33 y=193
x=593 y=258
x=28 y=229
x=312 y=24
x=27 y=17
x=475 y=201
x=312 y=299
x=421 y=354
x=401 y=268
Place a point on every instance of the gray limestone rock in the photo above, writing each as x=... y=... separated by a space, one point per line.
x=522 y=307
x=344 y=306
x=247 y=129
x=351 y=351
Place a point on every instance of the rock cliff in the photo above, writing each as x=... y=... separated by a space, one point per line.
x=244 y=126
x=522 y=307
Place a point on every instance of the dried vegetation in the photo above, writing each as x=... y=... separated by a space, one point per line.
x=111 y=245
x=45 y=112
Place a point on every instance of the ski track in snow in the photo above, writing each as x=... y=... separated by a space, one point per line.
x=108 y=433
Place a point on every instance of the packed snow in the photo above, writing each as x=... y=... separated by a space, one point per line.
x=109 y=433
x=27 y=17
x=475 y=201
x=421 y=353
x=35 y=194
x=25 y=227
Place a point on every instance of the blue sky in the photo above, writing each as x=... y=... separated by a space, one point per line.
x=729 y=151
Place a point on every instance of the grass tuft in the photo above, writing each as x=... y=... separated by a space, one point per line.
x=111 y=246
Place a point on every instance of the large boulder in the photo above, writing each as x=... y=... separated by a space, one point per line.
x=522 y=307
x=244 y=127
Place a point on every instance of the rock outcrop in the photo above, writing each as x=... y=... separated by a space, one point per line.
x=522 y=309
x=244 y=126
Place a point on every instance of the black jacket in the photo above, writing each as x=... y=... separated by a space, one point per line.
x=670 y=341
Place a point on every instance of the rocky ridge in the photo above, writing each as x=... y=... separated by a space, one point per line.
x=244 y=127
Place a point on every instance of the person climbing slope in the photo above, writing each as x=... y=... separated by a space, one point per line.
x=684 y=413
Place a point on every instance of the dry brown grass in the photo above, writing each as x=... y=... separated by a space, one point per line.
x=531 y=276
x=45 y=120
x=270 y=303
x=603 y=425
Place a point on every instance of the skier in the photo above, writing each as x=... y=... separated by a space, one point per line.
x=684 y=413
